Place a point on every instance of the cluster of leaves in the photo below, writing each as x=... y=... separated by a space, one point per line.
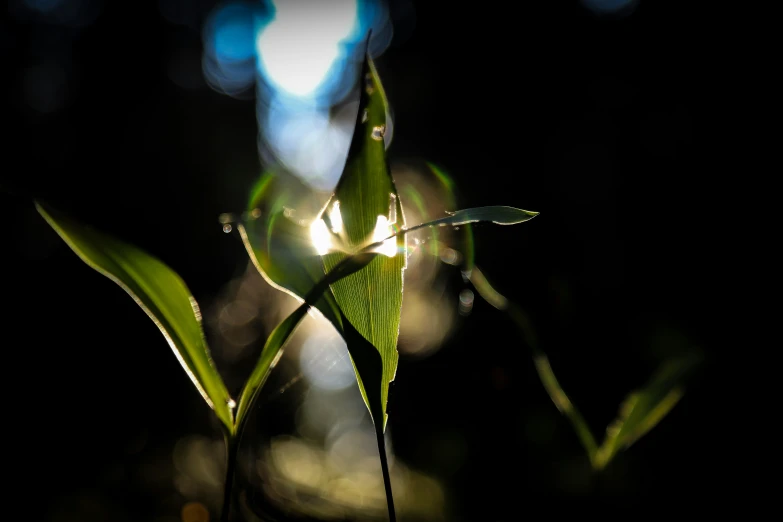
x=356 y=285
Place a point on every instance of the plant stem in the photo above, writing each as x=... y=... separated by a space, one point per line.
x=386 y=476
x=232 y=445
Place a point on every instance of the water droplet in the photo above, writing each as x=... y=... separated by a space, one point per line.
x=231 y=404
x=368 y=84
x=365 y=116
x=378 y=132
x=450 y=256
x=227 y=228
x=255 y=213
x=226 y=218
x=466 y=299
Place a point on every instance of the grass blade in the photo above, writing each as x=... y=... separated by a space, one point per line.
x=540 y=360
x=642 y=410
x=364 y=208
x=273 y=348
x=160 y=292
x=281 y=249
x=500 y=215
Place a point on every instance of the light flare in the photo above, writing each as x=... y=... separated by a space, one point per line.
x=383 y=229
x=322 y=239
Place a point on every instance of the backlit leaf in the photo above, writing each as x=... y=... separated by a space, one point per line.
x=365 y=208
x=274 y=345
x=160 y=292
x=281 y=249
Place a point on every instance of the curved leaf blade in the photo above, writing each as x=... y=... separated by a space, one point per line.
x=366 y=201
x=270 y=355
x=540 y=360
x=641 y=411
x=160 y=292
x=498 y=214
x=287 y=272
x=273 y=348
x=644 y=409
x=280 y=249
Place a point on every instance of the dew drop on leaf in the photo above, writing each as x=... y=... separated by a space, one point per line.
x=227 y=228
x=231 y=403
x=378 y=132
x=368 y=85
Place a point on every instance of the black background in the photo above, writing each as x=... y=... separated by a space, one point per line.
x=589 y=120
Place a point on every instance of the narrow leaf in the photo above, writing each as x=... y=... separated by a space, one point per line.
x=540 y=360
x=644 y=409
x=364 y=208
x=270 y=355
x=499 y=215
x=160 y=292
x=286 y=274
x=281 y=249
x=640 y=412
x=273 y=348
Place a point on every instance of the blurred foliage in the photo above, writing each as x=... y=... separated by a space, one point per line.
x=641 y=411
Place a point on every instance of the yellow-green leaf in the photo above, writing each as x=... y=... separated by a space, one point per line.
x=366 y=208
x=640 y=412
x=540 y=360
x=643 y=409
x=282 y=250
x=160 y=292
x=273 y=348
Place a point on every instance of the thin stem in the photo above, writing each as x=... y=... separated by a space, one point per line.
x=232 y=445
x=386 y=476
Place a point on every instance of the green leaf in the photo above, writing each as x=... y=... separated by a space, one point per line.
x=363 y=355
x=160 y=292
x=499 y=215
x=274 y=345
x=270 y=355
x=281 y=249
x=644 y=409
x=540 y=360
x=288 y=267
x=640 y=412
x=364 y=208
x=362 y=219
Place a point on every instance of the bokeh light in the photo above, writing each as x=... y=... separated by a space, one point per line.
x=229 y=54
x=300 y=46
x=308 y=140
x=325 y=361
x=303 y=58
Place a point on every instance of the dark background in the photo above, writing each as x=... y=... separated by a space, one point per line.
x=546 y=106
